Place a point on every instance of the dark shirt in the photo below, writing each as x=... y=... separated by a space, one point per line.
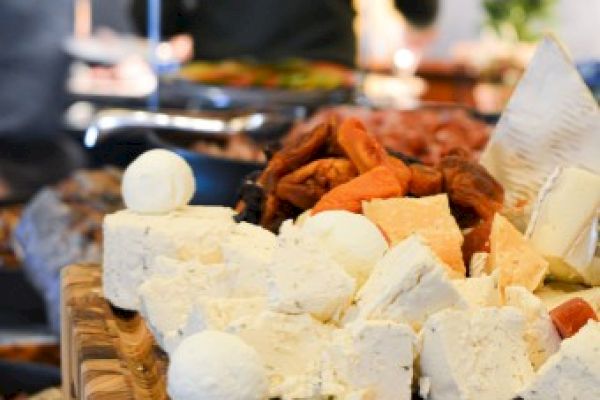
x=266 y=30
x=33 y=67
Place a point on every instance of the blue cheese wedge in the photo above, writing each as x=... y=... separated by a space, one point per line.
x=573 y=372
x=564 y=224
x=408 y=285
x=541 y=335
x=471 y=355
x=303 y=278
x=376 y=356
x=133 y=241
x=291 y=348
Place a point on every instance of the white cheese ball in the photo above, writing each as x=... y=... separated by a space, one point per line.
x=352 y=240
x=214 y=365
x=157 y=182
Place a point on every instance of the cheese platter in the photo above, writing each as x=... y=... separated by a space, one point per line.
x=349 y=272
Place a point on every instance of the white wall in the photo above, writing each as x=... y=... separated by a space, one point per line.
x=577 y=23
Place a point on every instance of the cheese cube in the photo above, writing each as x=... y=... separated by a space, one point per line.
x=573 y=372
x=133 y=241
x=375 y=355
x=407 y=285
x=541 y=335
x=291 y=347
x=479 y=354
x=564 y=224
x=517 y=262
x=303 y=278
x=429 y=217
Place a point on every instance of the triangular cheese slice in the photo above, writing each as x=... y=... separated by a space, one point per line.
x=518 y=264
x=430 y=217
x=552 y=119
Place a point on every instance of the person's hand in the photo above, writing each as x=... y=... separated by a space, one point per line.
x=182 y=47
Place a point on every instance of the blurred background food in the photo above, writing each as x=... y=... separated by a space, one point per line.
x=87 y=85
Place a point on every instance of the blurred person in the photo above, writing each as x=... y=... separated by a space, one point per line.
x=269 y=30
x=33 y=69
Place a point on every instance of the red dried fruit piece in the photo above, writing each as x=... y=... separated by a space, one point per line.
x=571 y=316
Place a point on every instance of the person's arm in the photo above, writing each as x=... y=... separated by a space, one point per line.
x=420 y=13
x=174 y=19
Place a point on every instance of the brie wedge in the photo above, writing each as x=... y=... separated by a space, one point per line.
x=564 y=224
x=551 y=119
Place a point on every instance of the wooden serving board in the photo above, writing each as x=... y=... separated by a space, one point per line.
x=107 y=354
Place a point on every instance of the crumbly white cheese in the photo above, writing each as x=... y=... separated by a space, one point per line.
x=478 y=354
x=218 y=313
x=541 y=335
x=573 y=372
x=303 y=278
x=248 y=244
x=290 y=346
x=479 y=292
x=564 y=224
x=166 y=300
x=407 y=285
x=133 y=241
x=376 y=356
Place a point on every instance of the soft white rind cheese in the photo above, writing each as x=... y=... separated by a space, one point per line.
x=541 y=335
x=133 y=241
x=407 y=285
x=564 y=224
x=214 y=365
x=352 y=240
x=303 y=278
x=573 y=372
x=471 y=355
x=290 y=346
x=375 y=355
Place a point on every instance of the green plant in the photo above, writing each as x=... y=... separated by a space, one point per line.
x=522 y=19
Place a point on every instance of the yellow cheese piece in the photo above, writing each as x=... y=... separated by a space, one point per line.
x=428 y=216
x=514 y=257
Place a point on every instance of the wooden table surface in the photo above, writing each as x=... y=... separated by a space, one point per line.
x=107 y=354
